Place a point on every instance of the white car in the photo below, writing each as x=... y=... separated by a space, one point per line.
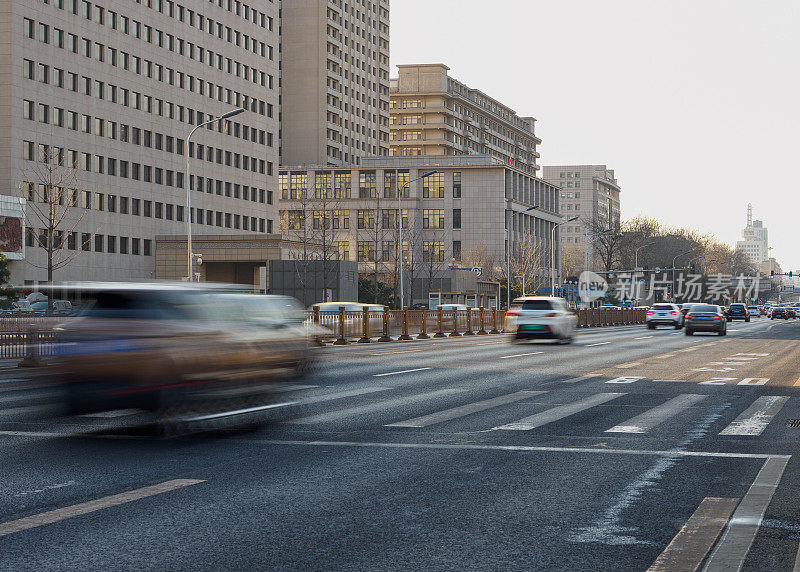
x=541 y=317
x=754 y=311
x=664 y=314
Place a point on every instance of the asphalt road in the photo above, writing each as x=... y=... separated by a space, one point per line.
x=628 y=450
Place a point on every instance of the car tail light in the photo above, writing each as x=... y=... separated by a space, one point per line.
x=650 y=313
x=551 y=315
x=512 y=313
x=716 y=317
x=674 y=313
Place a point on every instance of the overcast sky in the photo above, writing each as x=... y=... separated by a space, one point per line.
x=694 y=103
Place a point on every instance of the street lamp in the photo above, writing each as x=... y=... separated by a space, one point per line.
x=673 y=271
x=553 y=253
x=400 y=230
x=593 y=236
x=188 y=214
x=508 y=252
x=636 y=255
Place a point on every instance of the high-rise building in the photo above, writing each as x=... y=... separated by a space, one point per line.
x=435 y=114
x=334 y=81
x=105 y=92
x=590 y=192
x=755 y=239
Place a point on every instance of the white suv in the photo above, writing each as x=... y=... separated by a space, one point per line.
x=540 y=317
x=664 y=314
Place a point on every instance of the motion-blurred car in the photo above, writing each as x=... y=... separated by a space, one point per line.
x=60 y=308
x=737 y=312
x=706 y=318
x=541 y=317
x=664 y=315
x=179 y=350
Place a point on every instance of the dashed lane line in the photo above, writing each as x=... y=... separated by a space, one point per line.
x=597 y=344
x=60 y=514
x=399 y=372
x=521 y=355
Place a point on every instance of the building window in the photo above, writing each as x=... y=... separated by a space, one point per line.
x=433 y=251
x=433 y=186
x=387 y=251
x=456 y=218
x=366 y=251
x=433 y=218
x=366 y=185
x=457 y=185
x=457 y=250
x=343 y=248
x=366 y=218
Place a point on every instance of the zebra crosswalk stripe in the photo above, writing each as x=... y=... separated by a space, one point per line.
x=755 y=418
x=558 y=413
x=652 y=417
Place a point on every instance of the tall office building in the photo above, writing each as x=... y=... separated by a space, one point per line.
x=106 y=93
x=755 y=239
x=590 y=192
x=435 y=114
x=334 y=81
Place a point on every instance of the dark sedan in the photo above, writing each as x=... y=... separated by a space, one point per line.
x=779 y=312
x=706 y=318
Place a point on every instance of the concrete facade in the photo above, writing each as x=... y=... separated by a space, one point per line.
x=590 y=192
x=465 y=206
x=109 y=91
x=435 y=114
x=334 y=81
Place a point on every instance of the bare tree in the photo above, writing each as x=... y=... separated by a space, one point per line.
x=530 y=263
x=572 y=260
x=478 y=256
x=56 y=206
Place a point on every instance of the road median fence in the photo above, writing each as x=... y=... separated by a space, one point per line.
x=32 y=337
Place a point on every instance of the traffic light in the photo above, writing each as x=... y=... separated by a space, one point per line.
x=790 y=273
x=772 y=274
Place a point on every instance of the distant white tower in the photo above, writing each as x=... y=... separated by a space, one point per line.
x=756 y=239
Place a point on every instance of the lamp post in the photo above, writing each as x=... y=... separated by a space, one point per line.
x=508 y=252
x=636 y=265
x=673 y=271
x=400 y=230
x=189 y=254
x=553 y=253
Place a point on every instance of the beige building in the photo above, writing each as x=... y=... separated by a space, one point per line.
x=464 y=209
x=435 y=114
x=590 y=192
x=112 y=88
x=334 y=81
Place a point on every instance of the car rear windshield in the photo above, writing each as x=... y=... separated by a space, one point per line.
x=536 y=305
x=662 y=307
x=737 y=305
x=703 y=308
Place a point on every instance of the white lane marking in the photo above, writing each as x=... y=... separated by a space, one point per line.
x=46 y=488
x=631 y=379
x=399 y=372
x=665 y=356
x=520 y=448
x=456 y=412
x=341 y=395
x=718 y=381
x=583 y=378
x=32 y=434
x=657 y=415
x=670 y=380
x=558 y=413
x=597 y=344
x=754 y=419
x=92 y=506
x=696 y=538
x=735 y=543
x=797 y=383
x=521 y=355
x=629 y=365
x=372 y=407
x=643 y=338
x=757 y=355
x=754 y=381
x=675 y=334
